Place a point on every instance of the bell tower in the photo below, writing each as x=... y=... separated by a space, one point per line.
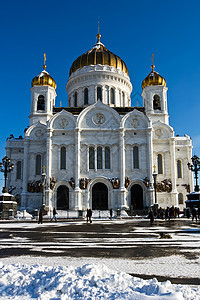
x=43 y=94
x=155 y=96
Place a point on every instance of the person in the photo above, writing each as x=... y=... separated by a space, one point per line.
x=89 y=215
x=54 y=215
x=151 y=216
x=40 y=216
x=111 y=213
x=194 y=214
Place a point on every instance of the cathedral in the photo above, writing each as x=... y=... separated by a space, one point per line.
x=99 y=152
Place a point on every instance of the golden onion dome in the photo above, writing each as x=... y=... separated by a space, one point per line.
x=98 y=55
x=44 y=78
x=153 y=78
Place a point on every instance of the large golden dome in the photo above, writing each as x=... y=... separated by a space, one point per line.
x=98 y=55
x=153 y=78
x=44 y=78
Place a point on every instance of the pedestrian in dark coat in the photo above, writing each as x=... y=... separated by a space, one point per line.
x=54 y=215
x=40 y=216
x=89 y=215
x=194 y=214
x=151 y=216
x=111 y=213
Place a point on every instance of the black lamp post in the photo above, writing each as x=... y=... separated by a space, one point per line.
x=43 y=185
x=195 y=167
x=154 y=183
x=5 y=167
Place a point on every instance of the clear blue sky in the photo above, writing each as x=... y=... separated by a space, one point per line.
x=131 y=29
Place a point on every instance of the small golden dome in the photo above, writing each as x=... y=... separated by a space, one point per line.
x=98 y=55
x=153 y=78
x=44 y=78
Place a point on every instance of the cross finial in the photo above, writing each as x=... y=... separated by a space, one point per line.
x=45 y=58
x=98 y=35
x=43 y=169
x=154 y=167
x=152 y=66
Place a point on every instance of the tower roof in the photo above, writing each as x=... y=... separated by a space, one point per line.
x=98 y=54
x=44 y=78
x=153 y=78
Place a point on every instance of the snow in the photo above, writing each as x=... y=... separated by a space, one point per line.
x=89 y=281
x=61 y=277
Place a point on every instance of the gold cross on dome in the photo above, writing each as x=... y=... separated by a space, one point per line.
x=45 y=58
x=152 y=66
x=43 y=169
x=154 y=167
x=98 y=35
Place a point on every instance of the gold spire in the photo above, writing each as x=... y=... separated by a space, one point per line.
x=154 y=168
x=98 y=35
x=152 y=66
x=43 y=169
x=44 y=66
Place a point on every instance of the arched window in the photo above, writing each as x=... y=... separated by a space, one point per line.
x=123 y=98
x=99 y=93
x=19 y=170
x=86 y=96
x=112 y=96
x=75 y=99
x=38 y=166
x=41 y=103
x=69 y=102
x=160 y=164
x=156 y=102
x=99 y=158
x=63 y=158
x=135 y=157
x=180 y=198
x=91 y=158
x=107 y=158
x=179 y=169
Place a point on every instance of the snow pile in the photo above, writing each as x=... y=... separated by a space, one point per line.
x=86 y=282
x=23 y=215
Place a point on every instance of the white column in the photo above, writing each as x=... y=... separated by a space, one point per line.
x=122 y=167
x=173 y=172
x=48 y=166
x=77 y=170
x=25 y=174
x=150 y=167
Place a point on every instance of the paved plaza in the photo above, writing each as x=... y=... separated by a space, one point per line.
x=131 y=244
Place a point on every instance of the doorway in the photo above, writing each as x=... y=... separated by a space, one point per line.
x=137 y=197
x=99 y=196
x=63 y=197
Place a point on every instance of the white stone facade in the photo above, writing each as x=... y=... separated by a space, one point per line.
x=100 y=154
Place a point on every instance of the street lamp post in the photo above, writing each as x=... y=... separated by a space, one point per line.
x=43 y=186
x=5 y=167
x=154 y=183
x=195 y=167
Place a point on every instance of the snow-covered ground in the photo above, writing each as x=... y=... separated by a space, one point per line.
x=90 y=281
x=62 y=277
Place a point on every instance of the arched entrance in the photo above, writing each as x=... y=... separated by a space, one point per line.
x=136 y=197
x=63 y=197
x=99 y=196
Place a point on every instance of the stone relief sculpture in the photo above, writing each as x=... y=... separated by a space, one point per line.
x=98 y=119
x=164 y=186
x=72 y=182
x=187 y=187
x=34 y=186
x=84 y=182
x=115 y=182
x=127 y=182
x=146 y=182
x=52 y=182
